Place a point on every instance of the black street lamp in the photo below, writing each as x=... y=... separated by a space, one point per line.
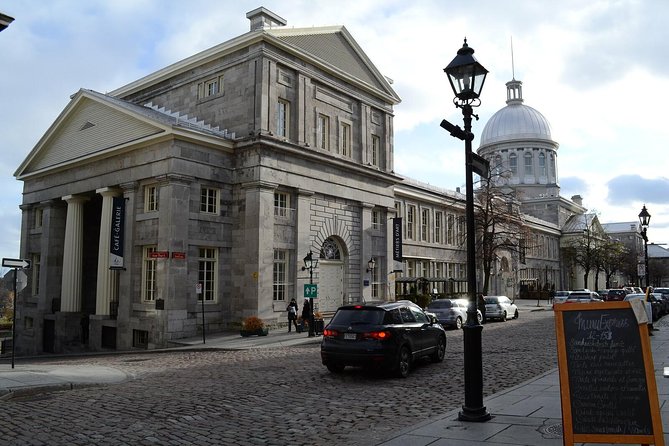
x=371 y=265
x=644 y=219
x=466 y=77
x=309 y=264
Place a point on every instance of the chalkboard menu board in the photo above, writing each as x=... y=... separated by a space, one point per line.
x=607 y=379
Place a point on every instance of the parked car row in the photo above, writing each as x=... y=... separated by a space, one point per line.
x=391 y=336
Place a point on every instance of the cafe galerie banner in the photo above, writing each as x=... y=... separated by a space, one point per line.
x=117 y=233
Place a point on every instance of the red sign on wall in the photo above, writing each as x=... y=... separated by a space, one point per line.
x=179 y=255
x=159 y=254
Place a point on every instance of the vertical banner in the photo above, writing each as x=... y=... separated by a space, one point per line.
x=117 y=232
x=397 y=239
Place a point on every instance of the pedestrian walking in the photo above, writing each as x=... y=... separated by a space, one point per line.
x=292 y=315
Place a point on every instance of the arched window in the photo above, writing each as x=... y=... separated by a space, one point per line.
x=513 y=164
x=542 y=164
x=330 y=250
x=528 y=163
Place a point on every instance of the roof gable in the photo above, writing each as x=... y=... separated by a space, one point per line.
x=335 y=47
x=86 y=127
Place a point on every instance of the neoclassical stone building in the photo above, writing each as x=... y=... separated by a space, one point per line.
x=221 y=172
x=190 y=197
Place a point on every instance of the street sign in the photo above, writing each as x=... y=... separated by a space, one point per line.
x=310 y=290
x=21 y=280
x=16 y=263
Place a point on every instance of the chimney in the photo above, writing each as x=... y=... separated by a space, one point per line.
x=262 y=18
x=577 y=199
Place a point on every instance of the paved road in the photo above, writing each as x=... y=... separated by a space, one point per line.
x=276 y=396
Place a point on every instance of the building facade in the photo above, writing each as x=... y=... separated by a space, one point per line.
x=230 y=166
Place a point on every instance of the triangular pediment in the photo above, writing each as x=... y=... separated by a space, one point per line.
x=89 y=126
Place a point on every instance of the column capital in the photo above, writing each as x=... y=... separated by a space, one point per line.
x=75 y=198
x=108 y=191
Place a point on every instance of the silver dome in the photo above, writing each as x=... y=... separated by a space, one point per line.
x=515 y=121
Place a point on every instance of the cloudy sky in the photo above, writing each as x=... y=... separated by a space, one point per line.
x=597 y=70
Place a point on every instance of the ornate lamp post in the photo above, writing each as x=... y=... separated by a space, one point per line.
x=466 y=77
x=309 y=264
x=644 y=219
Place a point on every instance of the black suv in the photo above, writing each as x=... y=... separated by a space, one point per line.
x=386 y=336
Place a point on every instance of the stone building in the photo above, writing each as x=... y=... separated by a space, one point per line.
x=221 y=172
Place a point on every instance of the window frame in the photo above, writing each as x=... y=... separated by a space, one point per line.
x=36 y=269
x=207 y=201
x=151 y=198
x=425 y=224
x=438 y=226
x=149 y=272
x=513 y=164
x=280 y=269
x=323 y=132
x=207 y=274
x=528 y=161
x=411 y=222
x=283 y=118
x=376 y=150
x=345 y=139
x=281 y=204
x=210 y=87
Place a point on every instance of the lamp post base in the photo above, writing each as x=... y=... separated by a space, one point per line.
x=473 y=410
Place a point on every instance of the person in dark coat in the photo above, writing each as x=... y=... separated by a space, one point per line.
x=292 y=315
x=306 y=313
x=480 y=304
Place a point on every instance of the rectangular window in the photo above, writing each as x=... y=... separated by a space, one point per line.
x=425 y=268
x=411 y=222
x=151 y=198
x=206 y=273
x=345 y=142
x=210 y=87
x=513 y=164
x=282 y=117
x=36 y=267
x=425 y=225
x=411 y=267
x=438 y=226
x=280 y=274
x=148 y=274
x=450 y=229
x=39 y=217
x=462 y=232
x=281 y=204
x=209 y=199
x=376 y=220
x=376 y=150
x=323 y=132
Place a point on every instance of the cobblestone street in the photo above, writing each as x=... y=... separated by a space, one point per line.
x=273 y=396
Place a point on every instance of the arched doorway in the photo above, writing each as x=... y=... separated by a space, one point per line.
x=331 y=276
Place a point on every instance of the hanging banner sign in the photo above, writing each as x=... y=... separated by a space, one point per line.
x=117 y=233
x=397 y=239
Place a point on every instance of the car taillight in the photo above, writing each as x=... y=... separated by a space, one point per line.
x=330 y=333
x=377 y=335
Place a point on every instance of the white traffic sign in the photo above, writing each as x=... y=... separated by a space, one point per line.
x=21 y=280
x=16 y=263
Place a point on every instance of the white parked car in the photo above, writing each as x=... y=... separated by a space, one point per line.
x=560 y=296
x=450 y=312
x=500 y=307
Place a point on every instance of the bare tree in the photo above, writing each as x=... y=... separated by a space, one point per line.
x=612 y=257
x=499 y=225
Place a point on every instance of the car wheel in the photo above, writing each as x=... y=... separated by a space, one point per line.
x=515 y=315
x=440 y=353
x=458 y=323
x=504 y=317
x=335 y=368
x=403 y=362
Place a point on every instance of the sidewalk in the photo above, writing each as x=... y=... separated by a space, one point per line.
x=529 y=414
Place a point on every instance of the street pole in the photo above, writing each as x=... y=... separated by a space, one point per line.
x=645 y=254
x=473 y=409
x=16 y=272
x=312 y=332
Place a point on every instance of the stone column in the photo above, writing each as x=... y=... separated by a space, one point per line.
x=107 y=285
x=70 y=290
x=366 y=250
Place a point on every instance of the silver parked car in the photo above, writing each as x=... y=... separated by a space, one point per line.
x=500 y=307
x=451 y=312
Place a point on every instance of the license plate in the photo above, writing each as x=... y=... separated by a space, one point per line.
x=349 y=336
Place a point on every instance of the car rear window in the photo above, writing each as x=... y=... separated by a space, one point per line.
x=440 y=304
x=490 y=300
x=355 y=316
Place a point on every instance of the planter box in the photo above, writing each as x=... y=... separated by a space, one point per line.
x=259 y=332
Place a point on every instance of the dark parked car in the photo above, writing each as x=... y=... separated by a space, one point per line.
x=615 y=294
x=385 y=336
